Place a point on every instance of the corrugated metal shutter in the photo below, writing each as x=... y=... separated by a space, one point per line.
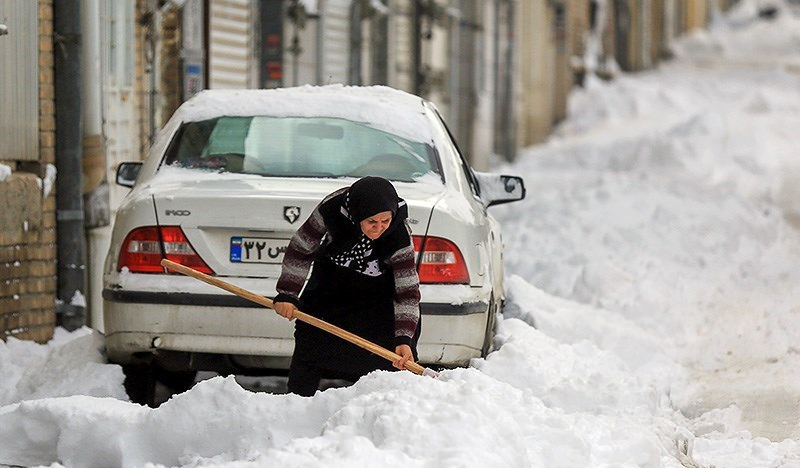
x=19 y=80
x=336 y=41
x=230 y=44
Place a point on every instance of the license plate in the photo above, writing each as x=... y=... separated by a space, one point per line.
x=257 y=249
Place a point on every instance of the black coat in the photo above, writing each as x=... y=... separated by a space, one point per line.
x=358 y=303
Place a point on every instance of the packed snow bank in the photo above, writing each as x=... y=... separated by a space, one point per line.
x=582 y=409
x=5 y=172
x=650 y=270
x=671 y=198
x=71 y=364
x=538 y=401
x=665 y=197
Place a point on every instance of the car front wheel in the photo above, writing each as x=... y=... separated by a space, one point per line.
x=140 y=383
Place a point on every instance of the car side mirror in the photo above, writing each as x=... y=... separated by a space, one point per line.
x=497 y=189
x=127 y=173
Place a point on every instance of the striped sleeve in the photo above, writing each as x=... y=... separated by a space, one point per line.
x=406 y=294
x=299 y=257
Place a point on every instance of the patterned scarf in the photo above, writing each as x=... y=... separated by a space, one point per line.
x=360 y=258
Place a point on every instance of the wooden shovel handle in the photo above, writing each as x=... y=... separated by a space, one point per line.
x=302 y=316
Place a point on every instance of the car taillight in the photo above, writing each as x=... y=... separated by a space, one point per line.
x=440 y=261
x=141 y=252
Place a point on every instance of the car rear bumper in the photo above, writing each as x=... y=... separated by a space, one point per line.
x=221 y=300
x=141 y=323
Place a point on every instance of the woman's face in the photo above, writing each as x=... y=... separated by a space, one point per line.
x=376 y=224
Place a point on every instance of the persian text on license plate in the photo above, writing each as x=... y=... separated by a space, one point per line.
x=257 y=250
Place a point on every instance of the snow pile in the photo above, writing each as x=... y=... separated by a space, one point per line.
x=48 y=182
x=732 y=38
x=393 y=419
x=70 y=364
x=5 y=172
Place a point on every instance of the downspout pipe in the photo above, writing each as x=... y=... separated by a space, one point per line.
x=71 y=242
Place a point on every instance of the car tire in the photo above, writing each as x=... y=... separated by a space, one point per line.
x=140 y=383
x=177 y=381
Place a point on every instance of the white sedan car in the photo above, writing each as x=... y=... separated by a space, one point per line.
x=230 y=178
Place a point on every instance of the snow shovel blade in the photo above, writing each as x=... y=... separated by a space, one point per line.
x=302 y=316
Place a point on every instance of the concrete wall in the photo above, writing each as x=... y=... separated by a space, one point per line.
x=169 y=64
x=536 y=62
x=697 y=14
x=560 y=14
x=28 y=218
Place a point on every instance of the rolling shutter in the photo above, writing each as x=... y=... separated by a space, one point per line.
x=336 y=41
x=230 y=44
x=19 y=80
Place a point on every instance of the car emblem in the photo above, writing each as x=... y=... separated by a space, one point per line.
x=291 y=213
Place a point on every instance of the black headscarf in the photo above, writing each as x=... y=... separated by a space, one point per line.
x=364 y=198
x=369 y=196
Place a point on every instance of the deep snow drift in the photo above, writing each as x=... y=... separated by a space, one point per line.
x=653 y=255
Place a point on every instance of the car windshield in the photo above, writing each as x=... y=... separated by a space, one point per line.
x=299 y=147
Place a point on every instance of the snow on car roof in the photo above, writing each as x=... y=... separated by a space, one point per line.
x=380 y=107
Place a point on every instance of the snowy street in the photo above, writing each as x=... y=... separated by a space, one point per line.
x=652 y=317
x=651 y=156
x=688 y=177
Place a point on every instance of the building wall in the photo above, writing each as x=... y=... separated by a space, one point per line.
x=482 y=130
x=28 y=219
x=657 y=43
x=560 y=13
x=578 y=27
x=125 y=109
x=697 y=14
x=636 y=44
x=141 y=83
x=401 y=45
x=170 y=89
x=608 y=40
x=536 y=61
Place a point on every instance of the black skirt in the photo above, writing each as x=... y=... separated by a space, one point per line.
x=358 y=303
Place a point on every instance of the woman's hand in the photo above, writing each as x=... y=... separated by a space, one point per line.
x=285 y=309
x=406 y=355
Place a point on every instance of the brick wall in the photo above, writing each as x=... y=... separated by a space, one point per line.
x=28 y=220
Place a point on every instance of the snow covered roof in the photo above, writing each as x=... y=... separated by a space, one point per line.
x=381 y=107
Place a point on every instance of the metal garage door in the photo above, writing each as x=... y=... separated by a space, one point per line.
x=231 y=55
